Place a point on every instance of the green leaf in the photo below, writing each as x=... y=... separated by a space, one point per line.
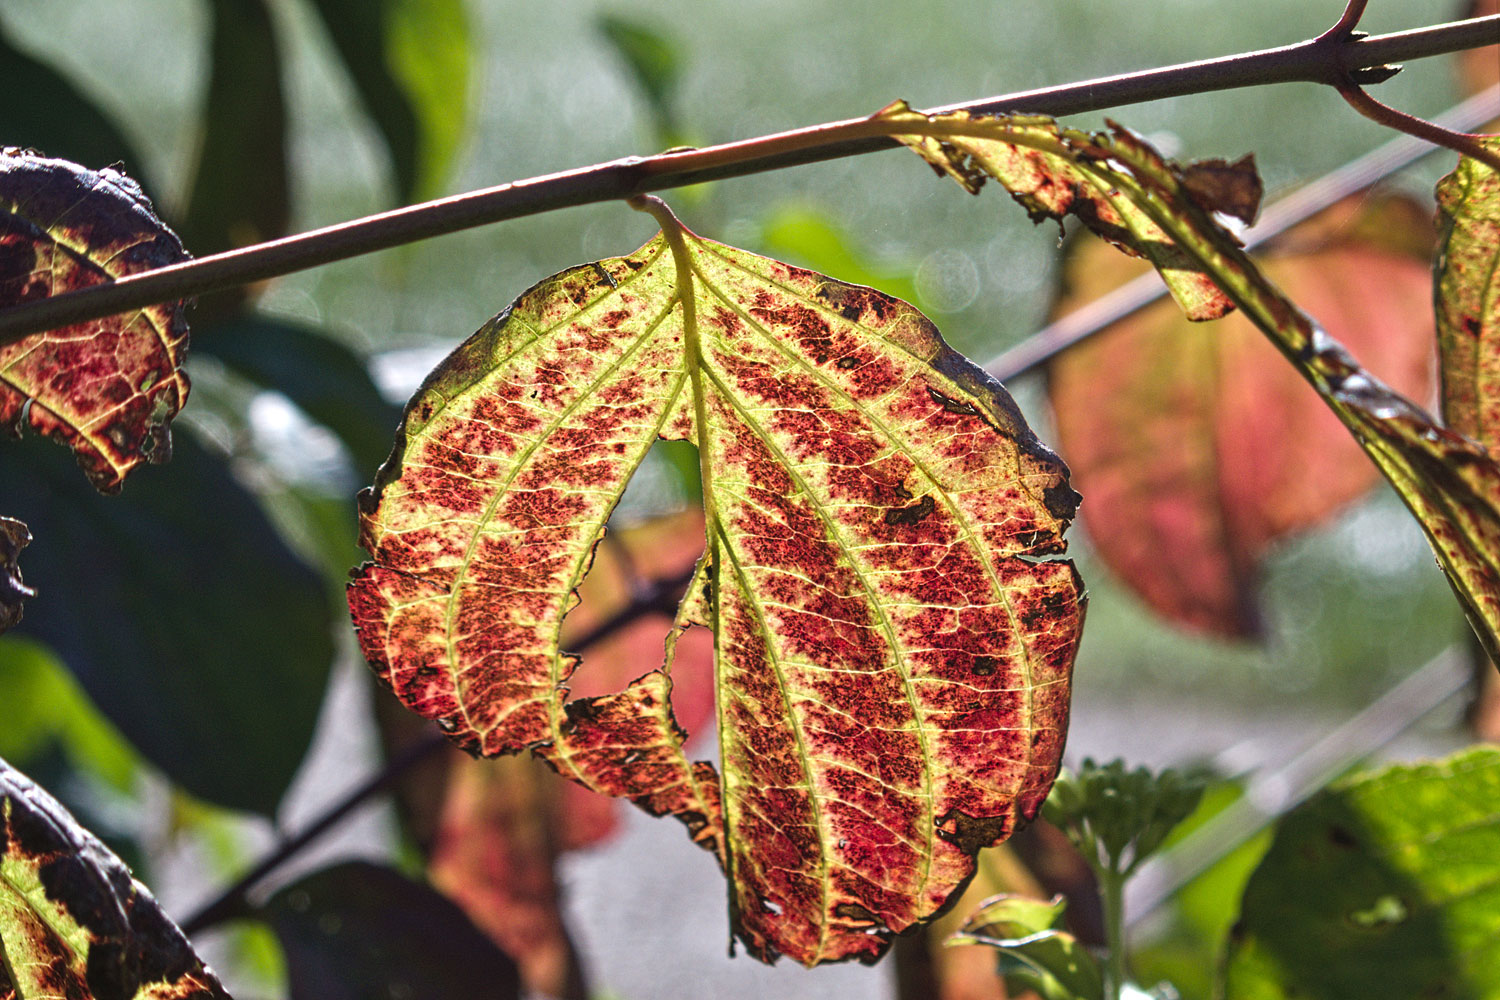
x=1448 y=482
x=14 y=536
x=1384 y=885
x=1468 y=299
x=73 y=923
x=410 y=61
x=327 y=381
x=188 y=621
x=55 y=117
x=359 y=930
x=109 y=387
x=44 y=707
x=866 y=490
x=1035 y=953
x=653 y=63
x=239 y=189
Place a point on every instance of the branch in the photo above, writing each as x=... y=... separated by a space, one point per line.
x=1278 y=217
x=1320 y=60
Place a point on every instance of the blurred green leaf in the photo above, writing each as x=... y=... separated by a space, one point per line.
x=239 y=189
x=359 y=930
x=327 y=381
x=186 y=618
x=654 y=65
x=410 y=60
x=1035 y=953
x=1382 y=886
x=44 y=707
x=55 y=117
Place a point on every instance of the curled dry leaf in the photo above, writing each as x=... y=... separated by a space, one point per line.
x=894 y=640
x=1449 y=483
x=73 y=923
x=1198 y=446
x=14 y=536
x=106 y=388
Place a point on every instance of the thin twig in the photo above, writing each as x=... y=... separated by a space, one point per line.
x=1345 y=25
x=1460 y=142
x=1310 y=61
x=1278 y=217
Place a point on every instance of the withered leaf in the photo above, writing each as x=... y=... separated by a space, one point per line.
x=1198 y=446
x=14 y=536
x=106 y=388
x=73 y=923
x=891 y=696
x=1450 y=483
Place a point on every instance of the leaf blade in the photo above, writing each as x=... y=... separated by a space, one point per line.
x=811 y=504
x=106 y=388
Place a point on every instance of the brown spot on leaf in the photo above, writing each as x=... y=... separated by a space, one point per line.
x=911 y=514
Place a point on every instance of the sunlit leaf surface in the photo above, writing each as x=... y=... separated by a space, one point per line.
x=893 y=642
x=1198 y=446
x=1448 y=482
x=1384 y=886
x=106 y=388
x=1468 y=299
x=73 y=923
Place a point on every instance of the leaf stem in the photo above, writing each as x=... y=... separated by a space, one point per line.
x=1112 y=895
x=1319 y=60
x=1461 y=142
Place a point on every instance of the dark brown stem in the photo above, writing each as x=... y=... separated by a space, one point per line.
x=1316 y=61
x=1345 y=25
x=1464 y=143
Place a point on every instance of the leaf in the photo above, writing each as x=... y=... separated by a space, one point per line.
x=505 y=823
x=1035 y=953
x=1383 y=885
x=55 y=116
x=1449 y=483
x=14 y=536
x=410 y=62
x=359 y=930
x=239 y=188
x=653 y=63
x=867 y=490
x=73 y=923
x=189 y=622
x=109 y=387
x=325 y=379
x=1046 y=169
x=1199 y=447
x=1468 y=306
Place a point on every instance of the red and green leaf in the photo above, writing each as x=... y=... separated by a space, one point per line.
x=106 y=388
x=893 y=639
x=73 y=923
x=1468 y=299
x=1449 y=482
x=1199 y=447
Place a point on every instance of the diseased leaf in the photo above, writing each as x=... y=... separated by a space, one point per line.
x=1468 y=299
x=183 y=614
x=1199 y=447
x=14 y=536
x=505 y=822
x=1448 y=482
x=893 y=642
x=358 y=930
x=1046 y=169
x=410 y=62
x=1383 y=885
x=109 y=387
x=73 y=923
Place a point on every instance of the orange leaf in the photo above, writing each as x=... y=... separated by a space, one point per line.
x=1198 y=447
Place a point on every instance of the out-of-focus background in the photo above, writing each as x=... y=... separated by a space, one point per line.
x=246 y=119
